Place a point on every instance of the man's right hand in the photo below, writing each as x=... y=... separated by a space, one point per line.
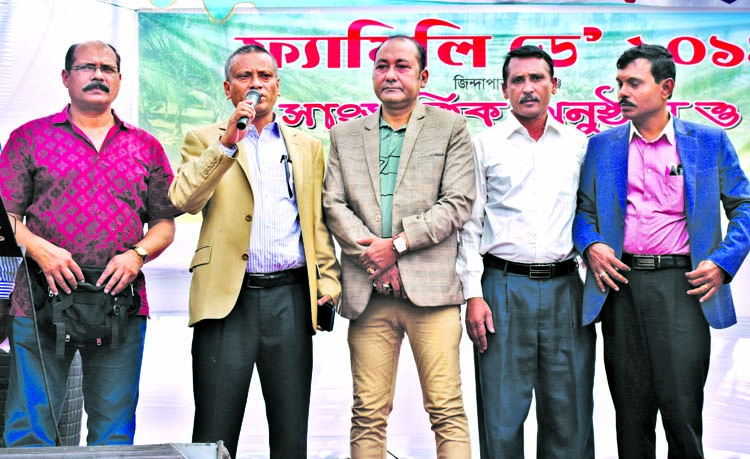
x=58 y=266
x=479 y=322
x=605 y=266
x=232 y=135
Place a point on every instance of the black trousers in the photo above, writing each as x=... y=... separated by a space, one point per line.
x=269 y=329
x=657 y=347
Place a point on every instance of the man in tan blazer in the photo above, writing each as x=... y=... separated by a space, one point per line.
x=253 y=300
x=399 y=186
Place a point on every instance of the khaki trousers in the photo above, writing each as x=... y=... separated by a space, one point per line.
x=375 y=344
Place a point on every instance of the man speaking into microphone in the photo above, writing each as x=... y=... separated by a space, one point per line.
x=264 y=263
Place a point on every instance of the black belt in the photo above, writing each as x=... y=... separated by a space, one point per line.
x=270 y=280
x=656 y=261
x=533 y=270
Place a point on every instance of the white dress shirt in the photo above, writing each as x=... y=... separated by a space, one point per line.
x=526 y=198
x=276 y=240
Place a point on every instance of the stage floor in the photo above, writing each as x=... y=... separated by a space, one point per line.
x=165 y=411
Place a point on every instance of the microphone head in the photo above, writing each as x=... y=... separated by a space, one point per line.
x=252 y=96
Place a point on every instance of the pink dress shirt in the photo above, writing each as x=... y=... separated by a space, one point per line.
x=655 y=221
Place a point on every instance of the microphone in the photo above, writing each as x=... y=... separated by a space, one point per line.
x=253 y=97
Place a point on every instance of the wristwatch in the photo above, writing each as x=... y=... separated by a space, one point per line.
x=140 y=251
x=399 y=244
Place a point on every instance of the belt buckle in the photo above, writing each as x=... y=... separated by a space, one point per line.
x=541 y=271
x=249 y=276
x=646 y=262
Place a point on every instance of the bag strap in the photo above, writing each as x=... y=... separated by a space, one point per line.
x=121 y=304
x=59 y=304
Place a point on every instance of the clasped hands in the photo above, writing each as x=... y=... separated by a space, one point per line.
x=63 y=273
x=706 y=278
x=379 y=259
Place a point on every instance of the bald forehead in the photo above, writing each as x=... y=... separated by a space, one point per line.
x=399 y=40
x=94 y=46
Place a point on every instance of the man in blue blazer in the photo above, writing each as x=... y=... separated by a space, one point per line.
x=649 y=225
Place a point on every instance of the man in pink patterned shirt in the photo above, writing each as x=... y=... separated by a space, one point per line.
x=85 y=183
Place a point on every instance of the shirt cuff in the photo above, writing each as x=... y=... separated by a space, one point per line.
x=230 y=152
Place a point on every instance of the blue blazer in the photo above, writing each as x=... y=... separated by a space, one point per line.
x=712 y=174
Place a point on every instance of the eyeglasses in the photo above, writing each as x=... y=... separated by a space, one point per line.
x=286 y=161
x=89 y=69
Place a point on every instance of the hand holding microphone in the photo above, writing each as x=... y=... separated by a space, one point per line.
x=253 y=97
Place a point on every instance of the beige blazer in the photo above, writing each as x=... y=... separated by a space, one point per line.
x=435 y=189
x=208 y=180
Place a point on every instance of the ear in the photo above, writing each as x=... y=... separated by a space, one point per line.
x=226 y=90
x=667 y=87
x=505 y=91
x=65 y=76
x=424 y=75
x=555 y=85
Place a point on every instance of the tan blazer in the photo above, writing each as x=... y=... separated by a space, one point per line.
x=435 y=189
x=219 y=186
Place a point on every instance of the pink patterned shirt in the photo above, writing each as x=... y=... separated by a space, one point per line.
x=93 y=204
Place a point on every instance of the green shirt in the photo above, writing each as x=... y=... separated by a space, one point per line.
x=390 y=155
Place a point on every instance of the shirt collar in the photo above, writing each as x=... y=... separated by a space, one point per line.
x=384 y=124
x=514 y=126
x=64 y=117
x=273 y=128
x=667 y=132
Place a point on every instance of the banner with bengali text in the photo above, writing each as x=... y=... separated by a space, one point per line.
x=325 y=59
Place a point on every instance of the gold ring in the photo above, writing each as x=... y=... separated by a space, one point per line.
x=370 y=270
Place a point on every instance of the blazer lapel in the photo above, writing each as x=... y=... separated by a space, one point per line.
x=371 y=142
x=413 y=128
x=619 y=164
x=688 y=149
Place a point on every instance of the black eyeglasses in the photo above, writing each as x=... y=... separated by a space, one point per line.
x=90 y=69
x=286 y=161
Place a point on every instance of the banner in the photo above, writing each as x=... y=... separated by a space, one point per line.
x=325 y=59
x=221 y=10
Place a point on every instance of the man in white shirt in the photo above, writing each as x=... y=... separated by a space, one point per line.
x=519 y=273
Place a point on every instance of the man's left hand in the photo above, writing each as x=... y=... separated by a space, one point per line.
x=121 y=270
x=389 y=283
x=378 y=257
x=706 y=278
x=321 y=301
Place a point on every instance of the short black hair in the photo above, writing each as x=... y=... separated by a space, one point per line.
x=71 y=54
x=524 y=52
x=247 y=49
x=422 y=53
x=662 y=61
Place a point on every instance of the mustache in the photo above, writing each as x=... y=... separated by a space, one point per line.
x=94 y=85
x=528 y=99
x=625 y=102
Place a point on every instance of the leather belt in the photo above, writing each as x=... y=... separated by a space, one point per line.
x=270 y=280
x=652 y=262
x=533 y=270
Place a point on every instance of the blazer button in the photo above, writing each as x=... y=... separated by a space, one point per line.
x=377 y=218
x=248 y=218
x=245 y=257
